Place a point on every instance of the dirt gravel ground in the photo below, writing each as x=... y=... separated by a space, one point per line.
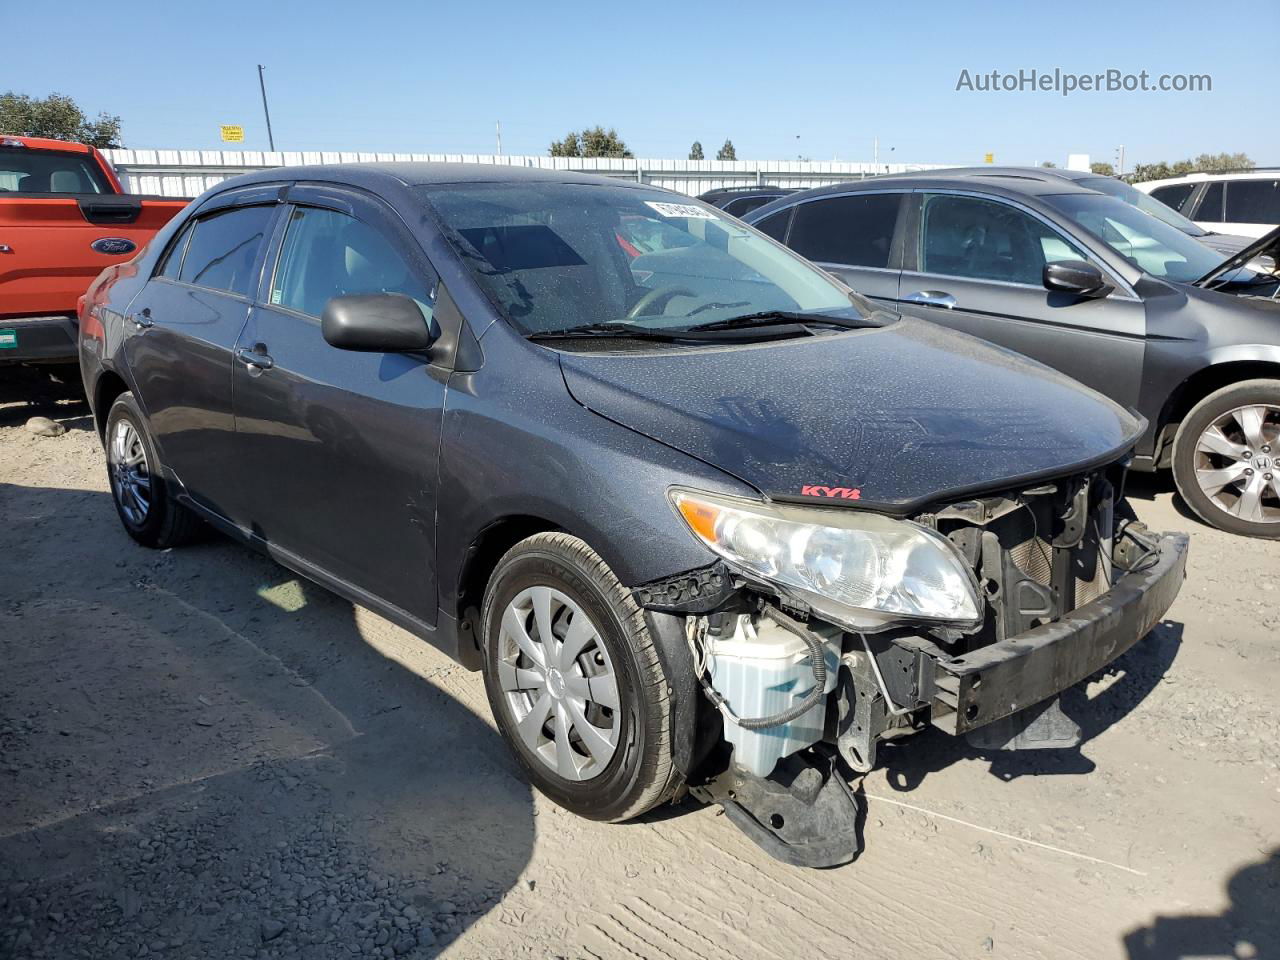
x=202 y=756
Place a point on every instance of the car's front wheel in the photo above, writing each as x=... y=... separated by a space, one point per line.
x=1226 y=458
x=143 y=500
x=574 y=680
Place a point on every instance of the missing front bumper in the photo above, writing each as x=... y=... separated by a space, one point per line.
x=1000 y=679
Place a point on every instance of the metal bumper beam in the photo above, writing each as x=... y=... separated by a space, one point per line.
x=1005 y=677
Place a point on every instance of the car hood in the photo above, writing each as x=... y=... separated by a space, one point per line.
x=890 y=418
x=1267 y=245
x=1225 y=243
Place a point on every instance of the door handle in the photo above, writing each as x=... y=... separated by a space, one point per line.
x=251 y=358
x=931 y=298
x=142 y=320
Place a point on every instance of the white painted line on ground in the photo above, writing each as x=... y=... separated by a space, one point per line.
x=1007 y=836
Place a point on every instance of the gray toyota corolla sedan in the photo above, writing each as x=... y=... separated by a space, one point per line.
x=707 y=520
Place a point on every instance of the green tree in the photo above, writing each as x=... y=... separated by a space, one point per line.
x=1048 y=164
x=570 y=146
x=695 y=152
x=1222 y=162
x=57 y=117
x=727 y=152
x=1102 y=169
x=1205 y=163
x=592 y=142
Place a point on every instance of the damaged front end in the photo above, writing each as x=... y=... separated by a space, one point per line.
x=1009 y=599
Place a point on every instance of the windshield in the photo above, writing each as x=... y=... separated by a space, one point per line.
x=556 y=256
x=1149 y=244
x=1136 y=198
x=23 y=170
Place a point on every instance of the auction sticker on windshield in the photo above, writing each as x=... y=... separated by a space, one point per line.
x=8 y=339
x=688 y=210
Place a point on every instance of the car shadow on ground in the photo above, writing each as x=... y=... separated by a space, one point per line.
x=206 y=756
x=1248 y=928
x=1148 y=486
x=1130 y=679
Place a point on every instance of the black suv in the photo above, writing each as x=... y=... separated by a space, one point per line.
x=1087 y=283
x=683 y=498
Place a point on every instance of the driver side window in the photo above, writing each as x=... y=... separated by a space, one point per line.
x=986 y=240
x=327 y=254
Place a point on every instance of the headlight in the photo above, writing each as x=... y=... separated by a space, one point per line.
x=861 y=570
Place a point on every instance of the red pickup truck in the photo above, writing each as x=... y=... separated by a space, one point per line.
x=63 y=217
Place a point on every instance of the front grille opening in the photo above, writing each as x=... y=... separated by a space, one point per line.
x=1037 y=553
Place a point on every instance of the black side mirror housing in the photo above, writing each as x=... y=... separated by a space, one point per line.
x=375 y=323
x=1076 y=277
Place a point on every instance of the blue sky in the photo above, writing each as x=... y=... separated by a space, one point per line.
x=818 y=79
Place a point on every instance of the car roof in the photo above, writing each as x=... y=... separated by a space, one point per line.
x=373 y=176
x=1259 y=173
x=1054 y=176
x=745 y=191
x=1012 y=183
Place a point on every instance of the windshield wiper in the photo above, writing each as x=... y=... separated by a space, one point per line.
x=610 y=329
x=769 y=318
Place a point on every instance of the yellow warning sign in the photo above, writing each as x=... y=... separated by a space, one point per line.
x=234 y=133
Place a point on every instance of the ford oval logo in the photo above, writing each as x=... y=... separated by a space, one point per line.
x=114 y=246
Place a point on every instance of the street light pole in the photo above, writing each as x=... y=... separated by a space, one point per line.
x=267 y=113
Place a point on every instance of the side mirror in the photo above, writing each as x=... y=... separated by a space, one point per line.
x=1077 y=277
x=375 y=323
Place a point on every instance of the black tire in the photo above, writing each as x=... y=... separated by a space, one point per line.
x=167 y=523
x=1185 y=455
x=640 y=774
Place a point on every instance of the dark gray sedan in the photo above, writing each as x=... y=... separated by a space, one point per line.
x=1090 y=285
x=661 y=479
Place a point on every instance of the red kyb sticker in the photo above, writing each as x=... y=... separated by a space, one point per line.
x=831 y=493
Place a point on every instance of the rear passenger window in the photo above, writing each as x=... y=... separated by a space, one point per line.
x=1210 y=209
x=223 y=248
x=856 y=231
x=775 y=226
x=328 y=254
x=1253 y=201
x=1175 y=195
x=172 y=262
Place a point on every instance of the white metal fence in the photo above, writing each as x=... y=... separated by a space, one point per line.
x=188 y=173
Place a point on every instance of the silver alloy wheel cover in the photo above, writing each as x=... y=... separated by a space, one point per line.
x=1237 y=463
x=130 y=473
x=558 y=681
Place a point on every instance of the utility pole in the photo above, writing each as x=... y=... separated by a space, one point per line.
x=267 y=113
x=498 y=126
x=875 y=153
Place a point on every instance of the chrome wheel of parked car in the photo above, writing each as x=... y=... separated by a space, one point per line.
x=559 y=682
x=130 y=472
x=1225 y=458
x=1238 y=463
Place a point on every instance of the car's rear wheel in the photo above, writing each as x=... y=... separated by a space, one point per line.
x=143 y=501
x=1226 y=458
x=574 y=680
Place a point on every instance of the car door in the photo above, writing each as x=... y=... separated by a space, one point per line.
x=852 y=236
x=340 y=447
x=181 y=331
x=977 y=265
